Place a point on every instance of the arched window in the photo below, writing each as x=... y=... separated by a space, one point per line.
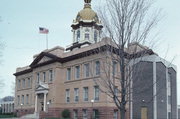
x=78 y=35
x=95 y=36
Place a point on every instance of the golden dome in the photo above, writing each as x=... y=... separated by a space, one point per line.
x=87 y=14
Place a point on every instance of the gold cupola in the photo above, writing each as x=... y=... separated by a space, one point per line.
x=87 y=13
x=86 y=27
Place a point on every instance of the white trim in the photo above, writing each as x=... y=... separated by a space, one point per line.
x=154 y=92
x=167 y=90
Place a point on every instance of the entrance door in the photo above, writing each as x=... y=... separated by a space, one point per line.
x=144 y=113
x=42 y=106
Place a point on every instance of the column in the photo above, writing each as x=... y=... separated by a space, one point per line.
x=36 y=104
x=154 y=91
x=45 y=102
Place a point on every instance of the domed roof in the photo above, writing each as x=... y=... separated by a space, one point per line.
x=87 y=14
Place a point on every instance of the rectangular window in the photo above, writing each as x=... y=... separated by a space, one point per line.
x=97 y=66
x=85 y=93
x=19 y=84
x=115 y=115
x=169 y=115
x=44 y=76
x=68 y=74
x=29 y=82
x=114 y=68
x=96 y=93
x=22 y=99
x=50 y=75
x=27 y=99
x=85 y=116
x=86 y=70
x=76 y=95
x=169 y=100
x=24 y=83
x=86 y=36
x=18 y=100
x=67 y=95
x=95 y=114
x=77 y=72
x=75 y=114
x=38 y=78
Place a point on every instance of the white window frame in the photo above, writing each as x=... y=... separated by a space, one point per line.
x=75 y=114
x=85 y=114
x=96 y=93
x=38 y=77
x=44 y=76
x=85 y=93
x=51 y=75
x=27 y=98
x=67 y=95
x=86 y=70
x=97 y=68
x=22 y=99
x=68 y=74
x=77 y=72
x=76 y=94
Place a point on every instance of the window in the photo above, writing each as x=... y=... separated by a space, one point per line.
x=169 y=100
x=22 y=99
x=95 y=36
x=75 y=114
x=50 y=75
x=38 y=78
x=116 y=91
x=169 y=84
x=18 y=102
x=67 y=95
x=169 y=115
x=86 y=36
x=115 y=115
x=78 y=35
x=68 y=74
x=76 y=95
x=27 y=99
x=29 y=82
x=114 y=68
x=86 y=70
x=24 y=83
x=96 y=93
x=97 y=65
x=19 y=84
x=77 y=73
x=85 y=93
x=95 y=114
x=44 y=76
x=85 y=116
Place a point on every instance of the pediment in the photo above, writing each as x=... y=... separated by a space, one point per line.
x=44 y=57
x=42 y=87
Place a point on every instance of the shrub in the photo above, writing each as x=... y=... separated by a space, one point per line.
x=65 y=113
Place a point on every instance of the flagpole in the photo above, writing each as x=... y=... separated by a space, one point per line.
x=46 y=41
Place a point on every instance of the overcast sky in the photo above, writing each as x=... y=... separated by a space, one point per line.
x=20 y=20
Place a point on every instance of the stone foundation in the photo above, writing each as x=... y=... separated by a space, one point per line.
x=22 y=112
x=104 y=112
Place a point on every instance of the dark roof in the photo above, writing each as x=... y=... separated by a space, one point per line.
x=80 y=55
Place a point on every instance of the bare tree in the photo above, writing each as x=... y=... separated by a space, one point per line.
x=125 y=22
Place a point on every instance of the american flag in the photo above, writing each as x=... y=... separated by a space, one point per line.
x=43 y=30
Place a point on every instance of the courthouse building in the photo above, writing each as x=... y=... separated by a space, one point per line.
x=59 y=78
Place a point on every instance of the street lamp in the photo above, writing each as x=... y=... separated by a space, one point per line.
x=92 y=101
